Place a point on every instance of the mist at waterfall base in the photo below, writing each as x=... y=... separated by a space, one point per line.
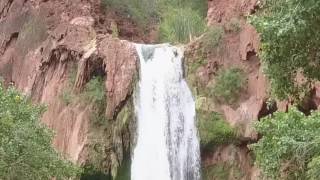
x=167 y=146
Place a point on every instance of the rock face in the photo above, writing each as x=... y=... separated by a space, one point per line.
x=41 y=42
x=238 y=48
x=224 y=11
x=121 y=66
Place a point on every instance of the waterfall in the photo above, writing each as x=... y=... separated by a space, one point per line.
x=167 y=145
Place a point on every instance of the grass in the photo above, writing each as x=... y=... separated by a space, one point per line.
x=181 y=25
x=179 y=20
x=228 y=85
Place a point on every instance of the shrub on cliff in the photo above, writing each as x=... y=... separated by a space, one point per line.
x=228 y=85
x=290 y=145
x=26 y=150
x=290 y=42
x=212 y=38
x=213 y=130
x=94 y=91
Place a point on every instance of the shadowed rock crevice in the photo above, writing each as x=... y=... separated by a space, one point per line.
x=4 y=8
x=267 y=109
x=12 y=40
x=310 y=103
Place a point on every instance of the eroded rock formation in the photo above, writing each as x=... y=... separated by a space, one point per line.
x=41 y=42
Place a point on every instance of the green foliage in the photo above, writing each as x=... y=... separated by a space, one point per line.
x=179 y=20
x=67 y=96
x=228 y=85
x=26 y=150
x=95 y=90
x=193 y=67
x=290 y=145
x=200 y=6
x=124 y=171
x=92 y=94
x=91 y=174
x=95 y=93
x=212 y=38
x=182 y=20
x=313 y=172
x=290 y=43
x=213 y=130
x=181 y=25
x=222 y=171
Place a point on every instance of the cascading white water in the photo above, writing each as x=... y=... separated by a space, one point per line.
x=167 y=144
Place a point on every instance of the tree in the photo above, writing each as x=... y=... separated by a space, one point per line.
x=290 y=145
x=290 y=44
x=26 y=150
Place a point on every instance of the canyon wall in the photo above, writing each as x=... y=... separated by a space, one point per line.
x=50 y=50
x=42 y=43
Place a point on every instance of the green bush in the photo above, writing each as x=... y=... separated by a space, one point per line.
x=181 y=25
x=212 y=38
x=26 y=150
x=228 y=85
x=67 y=96
x=94 y=90
x=213 y=130
x=290 y=145
x=289 y=31
x=124 y=171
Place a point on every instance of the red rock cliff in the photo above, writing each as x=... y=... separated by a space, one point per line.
x=40 y=43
